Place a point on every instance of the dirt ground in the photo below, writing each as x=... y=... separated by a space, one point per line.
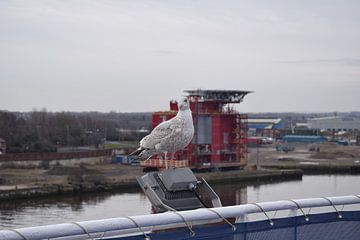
x=59 y=175
x=306 y=154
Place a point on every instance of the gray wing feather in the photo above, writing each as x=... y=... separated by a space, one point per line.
x=162 y=132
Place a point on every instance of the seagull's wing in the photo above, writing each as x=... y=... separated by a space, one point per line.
x=160 y=133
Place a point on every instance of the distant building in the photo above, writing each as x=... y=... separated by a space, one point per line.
x=335 y=123
x=264 y=127
x=301 y=126
x=2 y=146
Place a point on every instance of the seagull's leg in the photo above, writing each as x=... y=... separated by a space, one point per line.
x=166 y=165
x=172 y=159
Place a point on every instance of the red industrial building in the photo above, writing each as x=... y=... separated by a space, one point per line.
x=220 y=131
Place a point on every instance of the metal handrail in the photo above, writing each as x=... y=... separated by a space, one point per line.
x=164 y=220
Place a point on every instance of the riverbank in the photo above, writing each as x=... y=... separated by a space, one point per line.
x=59 y=180
x=316 y=168
x=271 y=165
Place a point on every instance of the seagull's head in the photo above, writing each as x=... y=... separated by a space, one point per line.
x=184 y=104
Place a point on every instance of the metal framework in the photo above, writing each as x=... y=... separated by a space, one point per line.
x=241 y=138
x=226 y=96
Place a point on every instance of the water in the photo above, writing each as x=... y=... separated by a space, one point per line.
x=16 y=214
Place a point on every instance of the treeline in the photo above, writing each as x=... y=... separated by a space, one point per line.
x=42 y=131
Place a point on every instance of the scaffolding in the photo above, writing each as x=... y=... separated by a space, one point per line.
x=241 y=138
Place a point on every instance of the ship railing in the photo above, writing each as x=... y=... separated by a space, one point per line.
x=144 y=225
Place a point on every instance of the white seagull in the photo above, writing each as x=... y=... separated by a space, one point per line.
x=169 y=136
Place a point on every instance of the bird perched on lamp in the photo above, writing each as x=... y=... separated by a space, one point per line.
x=169 y=136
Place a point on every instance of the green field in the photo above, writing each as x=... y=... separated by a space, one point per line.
x=122 y=144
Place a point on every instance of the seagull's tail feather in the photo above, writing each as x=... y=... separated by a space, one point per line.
x=137 y=152
x=142 y=153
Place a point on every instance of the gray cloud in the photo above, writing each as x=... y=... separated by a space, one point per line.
x=136 y=55
x=165 y=52
x=355 y=62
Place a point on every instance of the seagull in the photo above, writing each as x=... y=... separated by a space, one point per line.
x=169 y=136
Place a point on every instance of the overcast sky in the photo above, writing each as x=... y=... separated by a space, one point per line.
x=131 y=56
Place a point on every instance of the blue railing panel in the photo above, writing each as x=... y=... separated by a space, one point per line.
x=325 y=226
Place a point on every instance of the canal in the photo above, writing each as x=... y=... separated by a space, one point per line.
x=42 y=211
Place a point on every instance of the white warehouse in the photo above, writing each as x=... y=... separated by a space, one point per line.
x=334 y=123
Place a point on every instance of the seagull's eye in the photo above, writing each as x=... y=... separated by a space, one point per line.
x=185 y=100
